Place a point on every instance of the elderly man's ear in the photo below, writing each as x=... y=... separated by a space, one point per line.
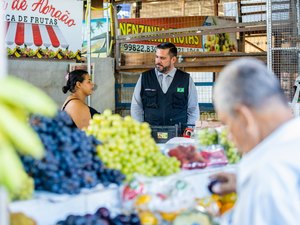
x=249 y=122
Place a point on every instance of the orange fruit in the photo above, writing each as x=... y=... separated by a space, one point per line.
x=226 y=207
x=142 y=199
x=148 y=218
x=168 y=216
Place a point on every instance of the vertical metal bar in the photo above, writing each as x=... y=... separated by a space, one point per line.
x=107 y=33
x=116 y=34
x=3 y=67
x=4 y=218
x=269 y=34
x=293 y=20
x=112 y=30
x=106 y=13
x=298 y=16
x=117 y=51
x=298 y=45
x=88 y=52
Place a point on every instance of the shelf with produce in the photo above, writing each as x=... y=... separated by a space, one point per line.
x=84 y=168
x=48 y=208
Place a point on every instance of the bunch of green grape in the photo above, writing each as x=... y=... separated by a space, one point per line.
x=207 y=136
x=230 y=149
x=128 y=146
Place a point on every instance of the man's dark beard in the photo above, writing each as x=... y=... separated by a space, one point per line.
x=164 y=68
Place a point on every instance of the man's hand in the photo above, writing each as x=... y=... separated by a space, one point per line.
x=226 y=184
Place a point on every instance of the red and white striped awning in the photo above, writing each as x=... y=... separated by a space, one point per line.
x=34 y=34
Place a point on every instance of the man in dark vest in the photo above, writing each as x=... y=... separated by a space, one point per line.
x=165 y=96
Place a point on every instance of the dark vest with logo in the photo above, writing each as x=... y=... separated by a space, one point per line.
x=165 y=109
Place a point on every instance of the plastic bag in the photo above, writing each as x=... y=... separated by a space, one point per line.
x=214 y=155
x=188 y=156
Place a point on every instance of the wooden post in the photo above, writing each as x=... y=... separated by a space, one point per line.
x=138 y=9
x=216 y=7
x=241 y=42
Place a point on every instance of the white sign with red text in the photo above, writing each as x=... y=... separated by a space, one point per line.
x=45 y=24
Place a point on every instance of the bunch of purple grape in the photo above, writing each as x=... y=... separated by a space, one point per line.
x=101 y=217
x=70 y=162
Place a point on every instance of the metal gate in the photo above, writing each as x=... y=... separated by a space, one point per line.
x=283 y=30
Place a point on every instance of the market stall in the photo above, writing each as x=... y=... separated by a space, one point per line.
x=48 y=209
x=153 y=171
x=50 y=168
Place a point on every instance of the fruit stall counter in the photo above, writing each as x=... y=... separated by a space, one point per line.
x=47 y=208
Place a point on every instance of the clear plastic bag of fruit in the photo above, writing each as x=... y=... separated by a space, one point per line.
x=192 y=217
x=188 y=155
x=214 y=155
x=217 y=205
x=209 y=138
x=159 y=200
x=191 y=157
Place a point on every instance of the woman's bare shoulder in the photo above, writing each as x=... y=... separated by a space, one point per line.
x=75 y=104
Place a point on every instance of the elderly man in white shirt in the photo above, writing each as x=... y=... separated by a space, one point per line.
x=248 y=98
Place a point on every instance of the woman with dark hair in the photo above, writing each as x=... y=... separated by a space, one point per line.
x=80 y=85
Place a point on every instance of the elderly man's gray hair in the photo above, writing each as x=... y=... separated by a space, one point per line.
x=246 y=81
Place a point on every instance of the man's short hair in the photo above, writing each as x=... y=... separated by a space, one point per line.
x=167 y=45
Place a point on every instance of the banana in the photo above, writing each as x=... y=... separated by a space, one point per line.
x=11 y=168
x=9 y=51
x=78 y=55
x=26 y=190
x=31 y=53
x=51 y=54
x=71 y=55
x=36 y=52
x=19 y=112
x=59 y=56
x=21 y=93
x=18 y=52
x=22 y=136
x=12 y=52
x=40 y=53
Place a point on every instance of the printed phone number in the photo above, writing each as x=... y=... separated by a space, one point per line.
x=138 y=48
x=151 y=48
